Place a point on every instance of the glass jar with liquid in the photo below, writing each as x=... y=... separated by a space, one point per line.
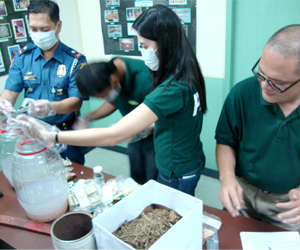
x=40 y=180
x=7 y=147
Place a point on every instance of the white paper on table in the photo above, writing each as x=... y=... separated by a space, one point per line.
x=270 y=240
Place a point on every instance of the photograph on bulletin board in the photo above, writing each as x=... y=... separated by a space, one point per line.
x=14 y=28
x=20 y=5
x=12 y=51
x=5 y=31
x=126 y=44
x=117 y=18
x=111 y=16
x=133 y=13
x=183 y=14
x=177 y=2
x=112 y=3
x=1 y=62
x=130 y=30
x=3 y=10
x=18 y=28
x=114 y=30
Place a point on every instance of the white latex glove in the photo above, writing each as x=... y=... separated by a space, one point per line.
x=143 y=134
x=41 y=108
x=6 y=107
x=81 y=123
x=36 y=129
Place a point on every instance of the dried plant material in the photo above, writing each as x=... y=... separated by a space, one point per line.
x=207 y=233
x=146 y=229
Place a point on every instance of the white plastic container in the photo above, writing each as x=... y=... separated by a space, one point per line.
x=185 y=234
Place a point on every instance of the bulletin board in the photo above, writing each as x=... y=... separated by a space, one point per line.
x=117 y=17
x=14 y=30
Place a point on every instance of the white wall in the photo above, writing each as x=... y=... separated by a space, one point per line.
x=71 y=33
x=211 y=32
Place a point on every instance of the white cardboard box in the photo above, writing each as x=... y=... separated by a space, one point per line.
x=185 y=234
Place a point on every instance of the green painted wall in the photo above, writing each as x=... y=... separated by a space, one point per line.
x=254 y=22
x=215 y=99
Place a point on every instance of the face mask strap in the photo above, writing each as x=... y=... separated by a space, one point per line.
x=113 y=93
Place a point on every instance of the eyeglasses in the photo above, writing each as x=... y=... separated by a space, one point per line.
x=273 y=85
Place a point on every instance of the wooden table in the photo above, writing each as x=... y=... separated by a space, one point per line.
x=229 y=237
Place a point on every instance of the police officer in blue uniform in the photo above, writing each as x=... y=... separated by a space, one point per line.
x=46 y=70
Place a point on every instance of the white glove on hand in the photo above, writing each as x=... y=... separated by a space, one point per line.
x=6 y=107
x=41 y=108
x=81 y=123
x=36 y=129
x=143 y=134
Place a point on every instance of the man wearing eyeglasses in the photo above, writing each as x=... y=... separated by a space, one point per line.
x=258 y=137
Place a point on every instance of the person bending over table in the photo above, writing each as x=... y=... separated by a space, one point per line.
x=258 y=137
x=123 y=83
x=176 y=104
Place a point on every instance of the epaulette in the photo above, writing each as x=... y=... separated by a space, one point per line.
x=73 y=53
x=26 y=48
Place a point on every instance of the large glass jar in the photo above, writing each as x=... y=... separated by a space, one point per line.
x=40 y=180
x=7 y=147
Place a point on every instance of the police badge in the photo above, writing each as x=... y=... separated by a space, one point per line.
x=61 y=70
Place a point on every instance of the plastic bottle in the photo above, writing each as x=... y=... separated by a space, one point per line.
x=98 y=174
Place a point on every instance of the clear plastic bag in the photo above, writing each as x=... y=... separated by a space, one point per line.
x=211 y=225
x=90 y=196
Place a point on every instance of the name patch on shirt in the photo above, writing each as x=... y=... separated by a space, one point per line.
x=29 y=78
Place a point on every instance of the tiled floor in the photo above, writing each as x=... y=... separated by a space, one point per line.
x=115 y=163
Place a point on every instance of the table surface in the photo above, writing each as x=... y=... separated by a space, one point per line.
x=229 y=233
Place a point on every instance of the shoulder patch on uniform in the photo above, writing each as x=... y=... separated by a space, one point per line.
x=77 y=55
x=73 y=53
x=82 y=65
x=26 y=48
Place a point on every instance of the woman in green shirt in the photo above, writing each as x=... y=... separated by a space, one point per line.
x=176 y=104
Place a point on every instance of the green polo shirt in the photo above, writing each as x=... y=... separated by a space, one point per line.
x=267 y=143
x=176 y=137
x=137 y=85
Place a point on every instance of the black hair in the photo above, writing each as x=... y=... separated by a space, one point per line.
x=95 y=77
x=45 y=6
x=176 y=56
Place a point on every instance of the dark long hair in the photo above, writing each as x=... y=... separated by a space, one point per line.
x=176 y=56
x=95 y=77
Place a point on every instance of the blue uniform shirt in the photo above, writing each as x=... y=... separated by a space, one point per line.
x=53 y=80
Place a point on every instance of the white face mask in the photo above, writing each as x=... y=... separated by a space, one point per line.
x=44 y=40
x=114 y=93
x=150 y=58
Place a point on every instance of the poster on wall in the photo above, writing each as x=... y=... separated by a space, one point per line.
x=117 y=17
x=14 y=30
x=2 y=68
x=3 y=10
